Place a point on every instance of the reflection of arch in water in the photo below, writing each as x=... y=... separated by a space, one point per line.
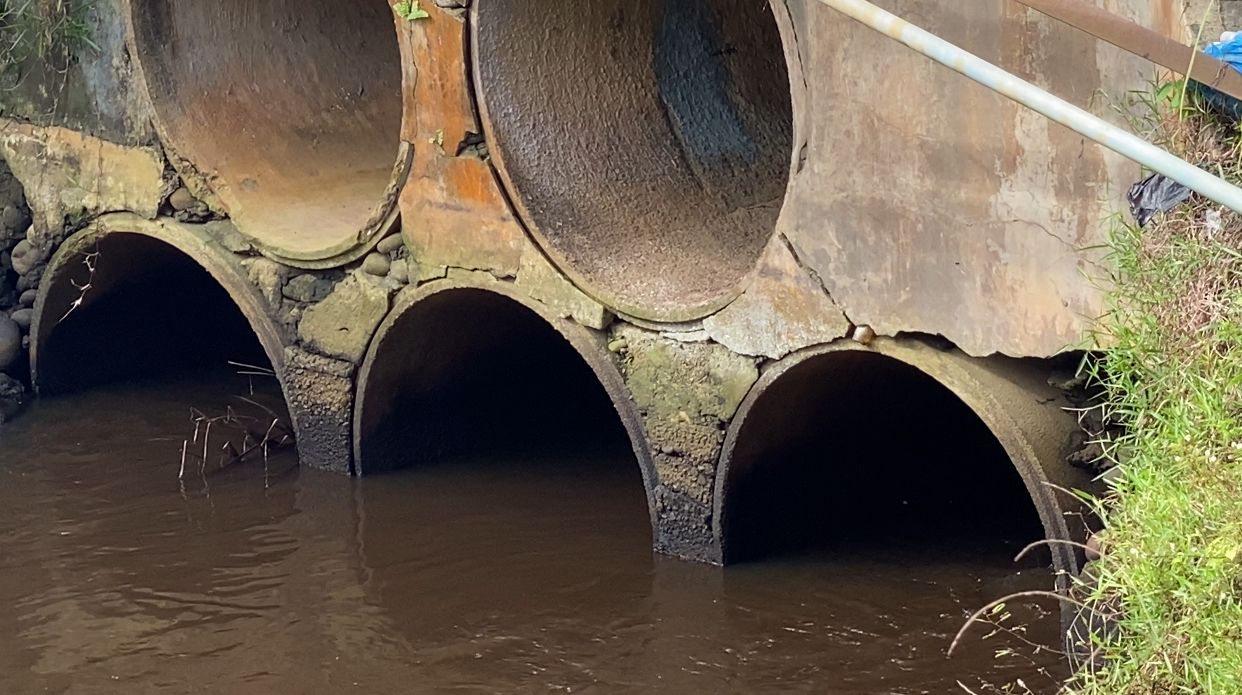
x=524 y=566
x=128 y=565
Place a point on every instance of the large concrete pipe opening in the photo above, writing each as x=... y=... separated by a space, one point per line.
x=854 y=451
x=461 y=375
x=646 y=143
x=129 y=307
x=289 y=111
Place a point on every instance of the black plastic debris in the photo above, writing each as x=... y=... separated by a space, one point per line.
x=1153 y=195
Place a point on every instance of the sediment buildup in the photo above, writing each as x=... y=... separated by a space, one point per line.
x=285 y=115
x=646 y=145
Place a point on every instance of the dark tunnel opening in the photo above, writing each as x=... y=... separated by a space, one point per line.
x=853 y=452
x=148 y=313
x=476 y=407
x=471 y=374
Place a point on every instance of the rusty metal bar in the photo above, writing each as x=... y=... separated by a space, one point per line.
x=1143 y=42
x=1086 y=124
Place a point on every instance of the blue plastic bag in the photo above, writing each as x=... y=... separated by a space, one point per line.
x=1229 y=51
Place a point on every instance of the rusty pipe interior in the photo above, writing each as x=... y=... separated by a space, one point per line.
x=289 y=112
x=646 y=144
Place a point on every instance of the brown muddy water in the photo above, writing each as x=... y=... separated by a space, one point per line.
x=528 y=573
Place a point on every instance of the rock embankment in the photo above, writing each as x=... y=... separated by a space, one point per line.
x=15 y=300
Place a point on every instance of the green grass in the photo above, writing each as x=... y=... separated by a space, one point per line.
x=55 y=30
x=1171 y=372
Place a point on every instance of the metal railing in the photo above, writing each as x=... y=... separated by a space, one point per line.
x=998 y=80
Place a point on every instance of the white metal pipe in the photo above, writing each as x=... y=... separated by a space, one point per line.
x=1027 y=94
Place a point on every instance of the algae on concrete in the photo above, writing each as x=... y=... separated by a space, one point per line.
x=341 y=325
x=687 y=393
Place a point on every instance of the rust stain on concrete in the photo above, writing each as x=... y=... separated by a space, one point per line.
x=453 y=212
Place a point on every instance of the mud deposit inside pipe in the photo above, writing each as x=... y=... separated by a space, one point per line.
x=647 y=144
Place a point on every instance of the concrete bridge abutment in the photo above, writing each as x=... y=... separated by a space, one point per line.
x=691 y=207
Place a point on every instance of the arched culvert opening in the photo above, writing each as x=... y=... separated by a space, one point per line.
x=902 y=447
x=122 y=307
x=856 y=447
x=290 y=112
x=464 y=375
x=646 y=144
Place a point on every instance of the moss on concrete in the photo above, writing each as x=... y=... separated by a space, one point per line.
x=341 y=325
x=543 y=282
x=686 y=393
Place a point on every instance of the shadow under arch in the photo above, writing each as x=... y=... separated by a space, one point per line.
x=129 y=297
x=847 y=404
x=460 y=369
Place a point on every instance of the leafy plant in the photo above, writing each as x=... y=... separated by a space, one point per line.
x=1171 y=374
x=410 y=10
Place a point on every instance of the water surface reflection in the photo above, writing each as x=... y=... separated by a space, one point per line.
x=472 y=576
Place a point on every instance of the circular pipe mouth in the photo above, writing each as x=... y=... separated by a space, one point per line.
x=883 y=444
x=140 y=304
x=461 y=372
x=289 y=113
x=827 y=457
x=646 y=144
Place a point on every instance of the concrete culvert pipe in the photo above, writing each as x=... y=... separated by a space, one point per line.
x=900 y=445
x=458 y=372
x=646 y=144
x=288 y=113
x=142 y=302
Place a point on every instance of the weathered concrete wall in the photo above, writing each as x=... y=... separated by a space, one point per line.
x=88 y=87
x=928 y=203
x=14 y=221
x=1213 y=16
x=919 y=202
x=66 y=189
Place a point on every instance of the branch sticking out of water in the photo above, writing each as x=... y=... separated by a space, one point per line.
x=245 y=436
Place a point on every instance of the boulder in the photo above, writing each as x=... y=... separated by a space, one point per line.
x=390 y=245
x=23 y=318
x=376 y=264
x=25 y=257
x=10 y=342
x=308 y=288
